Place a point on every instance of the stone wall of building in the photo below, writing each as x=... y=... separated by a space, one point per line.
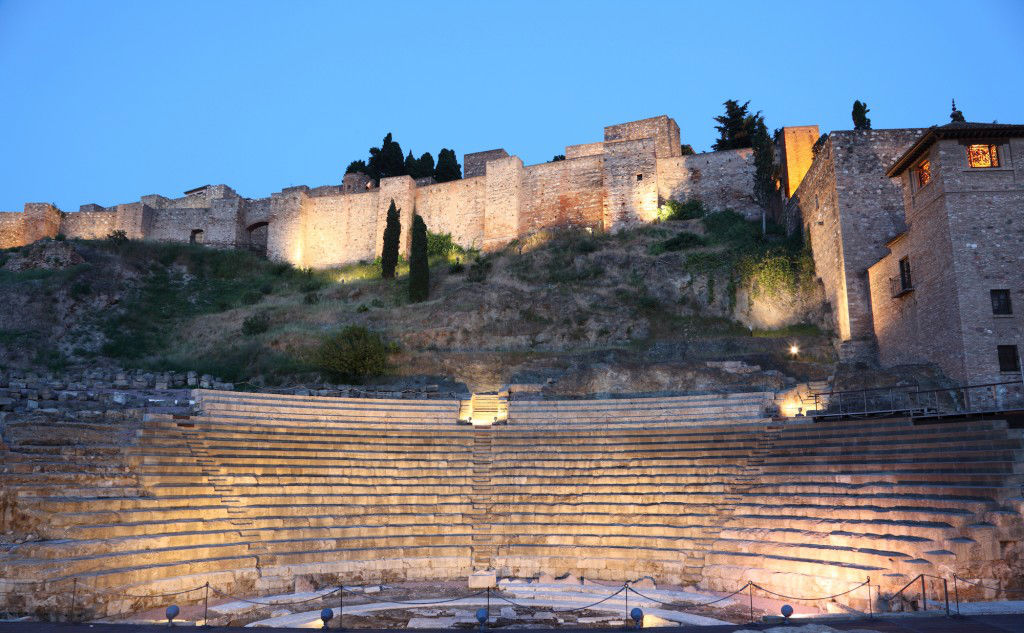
x=503 y=195
x=630 y=182
x=42 y=220
x=12 y=231
x=722 y=180
x=89 y=225
x=662 y=129
x=339 y=229
x=562 y=193
x=474 y=164
x=796 y=153
x=849 y=209
x=963 y=237
x=455 y=207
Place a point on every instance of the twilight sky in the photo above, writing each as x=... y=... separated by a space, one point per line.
x=106 y=101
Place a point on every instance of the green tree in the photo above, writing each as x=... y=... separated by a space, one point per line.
x=764 y=164
x=956 y=116
x=448 y=168
x=425 y=165
x=357 y=165
x=419 y=266
x=686 y=149
x=557 y=158
x=412 y=166
x=735 y=127
x=353 y=354
x=387 y=160
x=860 y=116
x=392 y=233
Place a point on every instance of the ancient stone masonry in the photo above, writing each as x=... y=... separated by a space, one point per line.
x=605 y=186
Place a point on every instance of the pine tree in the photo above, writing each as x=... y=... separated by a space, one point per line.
x=956 y=116
x=357 y=165
x=419 y=266
x=686 y=149
x=860 y=116
x=448 y=168
x=735 y=127
x=764 y=164
x=392 y=235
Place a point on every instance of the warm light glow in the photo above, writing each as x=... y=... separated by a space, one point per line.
x=794 y=350
x=982 y=156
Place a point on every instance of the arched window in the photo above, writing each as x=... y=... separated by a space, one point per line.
x=258 y=237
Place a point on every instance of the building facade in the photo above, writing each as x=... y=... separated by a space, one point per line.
x=950 y=289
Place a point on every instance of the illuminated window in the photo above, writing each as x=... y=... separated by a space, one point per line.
x=923 y=173
x=983 y=156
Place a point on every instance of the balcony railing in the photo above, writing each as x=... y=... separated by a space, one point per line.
x=898 y=286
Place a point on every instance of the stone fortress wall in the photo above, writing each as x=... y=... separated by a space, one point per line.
x=606 y=186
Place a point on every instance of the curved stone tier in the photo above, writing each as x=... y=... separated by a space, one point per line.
x=252 y=491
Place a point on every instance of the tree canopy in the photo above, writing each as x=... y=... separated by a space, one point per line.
x=736 y=127
x=448 y=168
x=388 y=160
x=860 y=116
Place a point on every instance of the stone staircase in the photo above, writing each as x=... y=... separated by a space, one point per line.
x=484 y=546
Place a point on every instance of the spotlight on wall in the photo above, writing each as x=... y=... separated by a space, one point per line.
x=794 y=350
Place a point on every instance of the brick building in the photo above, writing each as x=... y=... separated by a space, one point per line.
x=950 y=289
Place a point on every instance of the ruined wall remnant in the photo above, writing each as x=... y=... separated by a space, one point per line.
x=721 y=180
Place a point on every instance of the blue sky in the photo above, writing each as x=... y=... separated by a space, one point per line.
x=107 y=101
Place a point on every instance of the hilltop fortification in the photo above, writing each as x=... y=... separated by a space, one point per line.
x=607 y=185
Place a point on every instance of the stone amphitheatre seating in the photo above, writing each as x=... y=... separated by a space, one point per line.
x=249 y=491
x=617 y=489
x=835 y=503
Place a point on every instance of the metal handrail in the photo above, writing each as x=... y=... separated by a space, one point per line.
x=924 y=593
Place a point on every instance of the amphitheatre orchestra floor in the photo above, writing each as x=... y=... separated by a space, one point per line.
x=905 y=624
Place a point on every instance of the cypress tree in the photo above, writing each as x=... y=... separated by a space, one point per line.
x=392 y=233
x=860 y=116
x=412 y=166
x=448 y=168
x=764 y=164
x=419 y=266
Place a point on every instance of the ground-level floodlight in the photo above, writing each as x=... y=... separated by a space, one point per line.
x=638 y=616
x=481 y=617
x=171 y=613
x=786 y=611
x=326 y=615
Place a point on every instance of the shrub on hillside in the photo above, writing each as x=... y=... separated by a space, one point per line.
x=479 y=270
x=675 y=210
x=256 y=324
x=353 y=354
x=117 y=237
x=441 y=245
x=682 y=241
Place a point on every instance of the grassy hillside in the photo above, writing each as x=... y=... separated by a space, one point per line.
x=659 y=295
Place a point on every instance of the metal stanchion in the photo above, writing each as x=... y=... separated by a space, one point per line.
x=627 y=605
x=74 y=599
x=341 y=605
x=206 y=605
x=945 y=592
x=956 y=595
x=871 y=610
x=924 y=596
x=750 y=592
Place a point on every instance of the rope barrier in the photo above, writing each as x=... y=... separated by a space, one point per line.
x=687 y=605
x=822 y=598
x=118 y=594
x=275 y=604
x=984 y=586
x=593 y=604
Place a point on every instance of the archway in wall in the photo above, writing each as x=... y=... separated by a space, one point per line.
x=196 y=237
x=258 y=237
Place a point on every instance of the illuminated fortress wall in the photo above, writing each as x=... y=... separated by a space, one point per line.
x=608 y=185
